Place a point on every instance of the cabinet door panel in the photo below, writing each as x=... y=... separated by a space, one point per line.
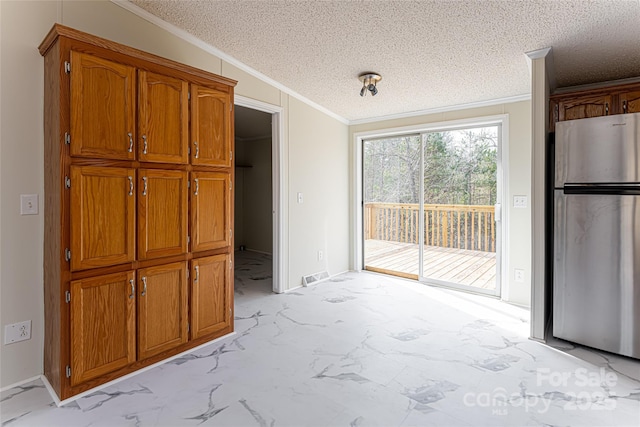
x=102 y=216
x=210 y=295
x=583 y=107
x=162 y=213
x=103 y=336
x=163 y=118
x=210 y=210
x=102 y=108
x=211 y=131
x=630 y=102
x=162 y=308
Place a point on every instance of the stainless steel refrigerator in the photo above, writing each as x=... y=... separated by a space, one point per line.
x=596 y=271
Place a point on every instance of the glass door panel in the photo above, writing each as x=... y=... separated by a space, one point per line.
x=391 y=181
x=460 y=194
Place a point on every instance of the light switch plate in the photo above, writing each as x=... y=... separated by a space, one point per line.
x=28 y=204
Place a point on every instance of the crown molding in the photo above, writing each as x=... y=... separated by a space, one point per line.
x=539 y=53
x=190 y=38
x=489 y=103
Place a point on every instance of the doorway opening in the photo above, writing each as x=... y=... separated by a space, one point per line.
x=431 y=206
x=257 y=242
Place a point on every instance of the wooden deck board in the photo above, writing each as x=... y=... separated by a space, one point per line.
x=461 y=266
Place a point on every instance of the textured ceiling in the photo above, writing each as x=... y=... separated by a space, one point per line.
x=431 y=54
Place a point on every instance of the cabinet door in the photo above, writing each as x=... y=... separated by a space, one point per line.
x=162 y=308
x=102 y=108
x=102 y=216
x=103 y=336
x=162 y=213
x=210 y=210
x=211 y=131
x=583 y=107
x=163 y=118
x=630 y=102
x=211 y=291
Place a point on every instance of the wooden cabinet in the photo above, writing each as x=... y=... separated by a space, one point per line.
x=102 y=325
x=163 y=118
x=630 y=101
x=211 y=292
x=211 y=137
x=102 y=107
x=102 y=216
x=210 y=210
x=162 y=308
x=162 y=213
x=122 y=199
x=620 y=99
x=584 y=107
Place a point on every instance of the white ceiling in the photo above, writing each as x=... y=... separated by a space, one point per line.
x=431 y=54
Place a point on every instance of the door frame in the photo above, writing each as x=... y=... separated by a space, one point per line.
x=277 y=184
x=357 y=238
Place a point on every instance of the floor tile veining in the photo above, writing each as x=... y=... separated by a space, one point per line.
x=361 y=349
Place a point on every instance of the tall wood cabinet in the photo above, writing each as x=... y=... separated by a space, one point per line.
x=138 y=209
x=616 y=99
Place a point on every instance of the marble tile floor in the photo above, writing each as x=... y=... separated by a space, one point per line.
x=359 y=350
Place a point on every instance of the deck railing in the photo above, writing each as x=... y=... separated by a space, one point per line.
x=449 y=226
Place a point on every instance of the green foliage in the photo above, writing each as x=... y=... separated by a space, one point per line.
x=459 y=168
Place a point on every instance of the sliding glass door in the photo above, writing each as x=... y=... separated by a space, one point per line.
x=430 y=205
x=391 y=168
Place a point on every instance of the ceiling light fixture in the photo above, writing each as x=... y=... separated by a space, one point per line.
x=369 y=83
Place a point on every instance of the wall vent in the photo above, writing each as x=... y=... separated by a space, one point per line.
x=312 y=279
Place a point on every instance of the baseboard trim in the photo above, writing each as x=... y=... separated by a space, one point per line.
x=19 y=383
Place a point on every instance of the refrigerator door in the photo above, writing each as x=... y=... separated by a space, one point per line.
x=598 y=150
x=596 y=299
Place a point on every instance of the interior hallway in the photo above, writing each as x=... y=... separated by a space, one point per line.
x=361 y=349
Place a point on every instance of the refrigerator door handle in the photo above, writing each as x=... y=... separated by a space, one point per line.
x=620 y=189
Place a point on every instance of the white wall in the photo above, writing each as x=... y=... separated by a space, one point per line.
x=518 y=238
x=319 y=168
x=310 y=137
x=23 y=25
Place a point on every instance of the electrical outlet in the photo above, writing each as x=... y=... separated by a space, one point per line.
x=28 y=204
x=519 y=275
x=15 y=332
x=520 y=202
x=320 y=255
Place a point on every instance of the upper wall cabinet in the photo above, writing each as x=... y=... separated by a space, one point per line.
x=630 y=101
x=102 y=108
x=211 y=125
x=619 y=99
x=163 y=118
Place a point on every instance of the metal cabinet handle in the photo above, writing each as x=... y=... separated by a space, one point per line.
x=133 y=288
x=195 y=143
x=144 y=185
x=197 y=276
x=130 y=185
x=130 y=135
x=144 y=144
x=624 y=106
x=606 y=108
x=144 y=285
x=195 y=193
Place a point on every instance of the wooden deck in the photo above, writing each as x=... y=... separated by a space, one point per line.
x=464 y=267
